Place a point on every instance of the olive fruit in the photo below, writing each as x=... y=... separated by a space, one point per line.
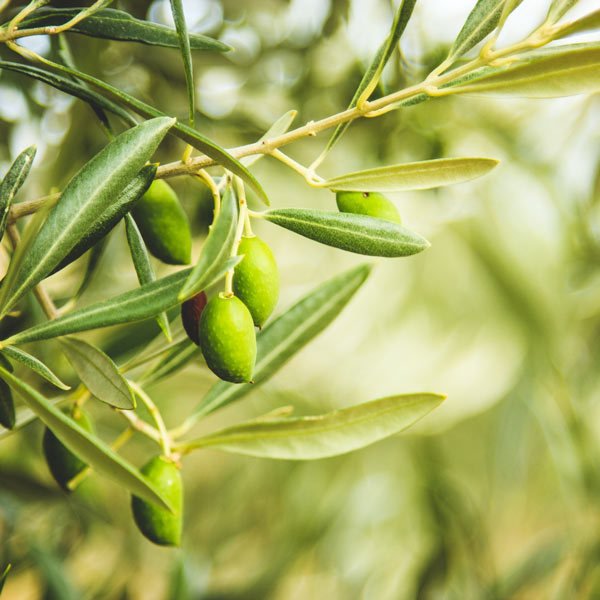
x=63 y=464
x=227 y=338
x=158 y=524
x=7 y=406
x=372 y=204
x=256 y=279
x=164 y=224
x=191 y=310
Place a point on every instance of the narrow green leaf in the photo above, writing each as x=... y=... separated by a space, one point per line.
x=135 y=305
x=12 y=182
x=98 y=373
x=186 y=54
x=216 y=248
x=373 y=73
x=174 y=360
x=118 y=25
x=91 y=267
x=311 y=438
x=84 y=201
x=89 y=448
x=4 y=575
x=351 y=232
x=278 y=128
x=482 y=20
x=422 y=175
x=288 y=334
x=587 y=23
x=108 y=216
x=143 y=266
x=68 y=86
x=36 y=365
x=508 y=7
x=549 y=73
x=7 y=406
x=25 y=416
x=558 y=9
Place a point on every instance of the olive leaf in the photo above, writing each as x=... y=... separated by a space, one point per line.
x=372 y=75
x=186 y=54
x=351 y=232
x=98 y=373
x=68 y=86
x=331 y=434
x=278 y=128
x=143 y=266
x=216 y=248
x=36 y=365
x=12 y=182
x=93 y=263
x=4 y=575
x=177 y=357
x=412 y=176
x=549 y=73
x=88 y=447
x=7 y=407
x=589 y=22
x=558 y=9
x=288 y=334
x=25 y=416
x=142 y=303
x=83 y=202
x=118 y=25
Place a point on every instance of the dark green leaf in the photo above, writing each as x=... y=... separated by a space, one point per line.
x=91 y=268
x=7 y=406
x=136 y=305
x=216 y=248
x=186 y=54
x=89 y=448
x=12 y=182
x=289 y=333
x=118 y=25
x=98 y=373
x=83 y=201
x=143 y=266
x=351 y=232
x=36 y=365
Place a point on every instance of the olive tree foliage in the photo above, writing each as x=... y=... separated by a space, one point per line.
x=47 y=234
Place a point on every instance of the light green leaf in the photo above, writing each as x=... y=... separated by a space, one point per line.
x=98 y=373
x=175 y=359
x=12 y=182
x=507 y=9
x=186 y=54
x=278 y=128
x=118 y=25
x=550 y=73
x=337 y=432
x=351 y=232
x=143 y=266
x=25 y=416
x=89 y=448
x=373 y=73
x=216 y=248
x=412 y=176
x=36 y=365
x=84 y=201
x=3 y=576
x=288 y=334
x=587 y=23
x=135 y=305
x=558 y=9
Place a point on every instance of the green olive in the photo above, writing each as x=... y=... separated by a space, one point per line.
x=158 y=524
x=372 y=204
x=7 y=406
x=256 y=279
x=63 y=464
x=191 y=310
x=164 y=224
x=227 y=338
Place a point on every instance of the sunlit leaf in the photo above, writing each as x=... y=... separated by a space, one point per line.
x=331 y=434
x=85 y=445
x=98 y=373
x=559 y=8
x=12 y=182
x=278 y=128
x=350 y=232
x=587 y=23
x=36 y=365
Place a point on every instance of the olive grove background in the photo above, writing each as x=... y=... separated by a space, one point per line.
x=494 y=495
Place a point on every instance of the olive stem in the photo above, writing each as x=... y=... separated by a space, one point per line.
x=311 y=178
x=214 y=190
x=140 y=425
x=239 y=232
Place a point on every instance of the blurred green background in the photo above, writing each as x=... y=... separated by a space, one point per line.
x=496 y=494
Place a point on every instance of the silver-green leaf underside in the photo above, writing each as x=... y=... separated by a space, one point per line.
x=98 y=373
x=422 y=175
x=350 y=232
x=83 y=201
x=12 y=182
x=89 y=448
x=331 y=434
x=36 y=365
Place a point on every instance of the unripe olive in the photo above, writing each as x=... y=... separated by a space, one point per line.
x=191 y=310
x=372 y=204
x=256 y=279
x=227 y=338
x=158 y=524
x=164 y=224
x=63 y=464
